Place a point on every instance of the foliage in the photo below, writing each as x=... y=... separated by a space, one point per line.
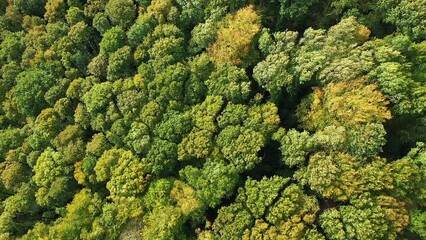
x=224 y=119
x=234 y=43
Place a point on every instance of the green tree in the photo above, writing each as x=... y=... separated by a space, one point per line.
x=241 y=146
x=215 y=181
x=230 y=82
x=112 y=40
x=129 y=177
x=31 y=86
x=74 y=15
x=82 y=210
x=32 y=7
x=53 y=177
x=55 y=10
x=121 y=12
x=162 y=158
x=273 y=75
x=367 y=217
x=120 y=64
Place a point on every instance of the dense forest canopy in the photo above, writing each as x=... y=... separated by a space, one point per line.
x=213 y=119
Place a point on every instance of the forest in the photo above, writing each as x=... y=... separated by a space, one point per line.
x=213 y=119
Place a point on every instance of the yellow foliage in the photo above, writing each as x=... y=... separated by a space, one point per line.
x=186 y=197
x=235 y=37
x=344 y=103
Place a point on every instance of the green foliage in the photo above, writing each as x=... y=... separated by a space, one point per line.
x=32 y=7
x=12 y=47
x=418 y=219
x=407 y=19
x=272 y=74
x=240 y=146
x=53 y=178
x=295 y=146
x=129 y=176
x=121 y=12
x=366 y=218
x=31 y=85
x=101 y=23
x=112 y=40
x=80 y=215
x=213 y=182
x=74 y=15
x=139 y=30
x=258 y=195
x=230 y=82
x=55 y=10
x=198 y=119
x=340 y=176
x=98 y=97
x=162 y=157
x=120 y=64
x=231 y=221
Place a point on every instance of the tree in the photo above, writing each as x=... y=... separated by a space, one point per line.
x=197 y=144
x=98 y=98
x=112 y=40
x=32 y=7
x=230 y=82
x=235 y=38
x=173 y=126
x=367 y=217
x=263 y=118
x=200 y=68
x=203 y=35
x=259 y=195
x=81 y=212
x=344 y=104
x=215 y=181
x=232 y=115
x=162 y=11
x=169 y=84
x=138 y=138
x=295 y=146
x=129 y=177
x=165 y=222
x=121 y=12
x=55 y=10
x=140 y=29
x=407 y=19
x=31 y=86
x=120 y=64
x=19 y=212
x=10 y=138
x=48 y=124
x=14 y=172
x=273 y=75
x=241 y=146
x=54 y=180
x=231 y=221
x=74 y=15
x=12 y=47
x=340 y=176
x=204 y=114
x=101 y=23
x=162 y=158
x=114 y=218
x=104 y=164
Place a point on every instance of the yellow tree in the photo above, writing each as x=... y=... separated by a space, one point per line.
x=234 y=43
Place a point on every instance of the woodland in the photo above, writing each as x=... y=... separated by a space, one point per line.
x=213 y=119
